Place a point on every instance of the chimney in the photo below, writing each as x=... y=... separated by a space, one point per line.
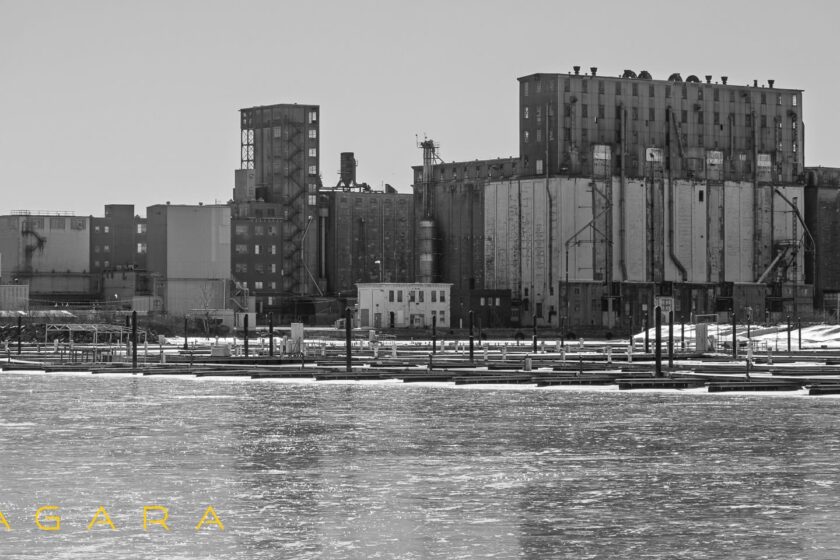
x=594 y=70
x=577 y=70
x=723 y=79
x=708 y=79
x=755 y=83
x=770 y=83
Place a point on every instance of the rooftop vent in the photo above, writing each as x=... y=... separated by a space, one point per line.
x=755 y=83
x=692 y=79
x=576 y=69
x=594 y=70
x=628 y=74
x=675 y=77
x=645 y=75
x=770 y=83
x=723 y=79
x=708 y=79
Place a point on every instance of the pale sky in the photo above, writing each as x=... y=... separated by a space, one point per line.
x=137 y=102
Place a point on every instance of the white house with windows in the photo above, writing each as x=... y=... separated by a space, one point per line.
x=396 y=304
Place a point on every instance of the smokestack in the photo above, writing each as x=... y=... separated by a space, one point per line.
x=576 y=69
x=770 y=83
x=723 y=79
x=594 y=70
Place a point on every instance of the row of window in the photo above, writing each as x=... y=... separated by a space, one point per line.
x=420 y=295
x=259 y=268
x=259 y=229
x=634 y=115
x=242 y=249
x=634 y=87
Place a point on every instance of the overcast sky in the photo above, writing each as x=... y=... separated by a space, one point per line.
x=137 y=102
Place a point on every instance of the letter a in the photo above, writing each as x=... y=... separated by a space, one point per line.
x=4 y=522
x=57 y=519
x=106 y=519
x=215 y=521
x=161 y=522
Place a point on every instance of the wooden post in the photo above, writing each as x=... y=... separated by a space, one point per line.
x=347 y=333
x=271 y=335
x=657 y=320
x=134 y=340
x=472 y=339
x=245 y=335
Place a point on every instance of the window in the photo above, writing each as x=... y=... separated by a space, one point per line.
x=793 y=101
x=313 y=169
x=684 y=92
x=273 y=285
x=274 y=249
x=242 y=229
x=313 y=133
x=278 y=132
x=106 y=264
x=539 y=115
x=141 y=228
x=584 y=86
x=96 y=229
x=539 y=135
x=748 y=120
x=106 y=249
x=600 y=86
x=442 y=296
x=635 y=113
x=794 y=147
x=566 y=85
x=259 y=230
x=272 y=230
x=763 y=121
x=525 y=137
x=524 y=93
x=442 y=316
x=258 y=285
x=481 y=302
x=618 y=88
x=539 y=166
x=716 y=117
x=313 y=152
x=699 y=139
x=635 y=90
x=700 y=94
x=601 y=111
x=141 y=248
x=240 y=268
x=700 y=117
x=273 y=268
x=434 y=296
x=313 y=117
x=241 y=249
x=96 y=248
x=421 y=295
x=391 y=292
x=716 y=94
x=270 y=300
x=411 y=296
x=584 y=111
x=57 y=223
x=793 y=125
x=399 y=296
x=700 y=196
x=651 y=114
x=525 y=113
x=567 y=109
x=651 y=91
x=667 y=91
x=763 y=98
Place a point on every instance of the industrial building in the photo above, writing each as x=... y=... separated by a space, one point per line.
x=395 y=305
x=118 y=256
x=275 y=221
x=49 y=252
x=189 y=258
x=629 y=192
x=368 y=235
x=822 y=215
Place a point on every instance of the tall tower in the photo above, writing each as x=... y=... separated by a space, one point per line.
x=275 y=203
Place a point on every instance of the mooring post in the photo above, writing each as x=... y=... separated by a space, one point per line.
x=19 y=334
x=434 y=334
x=134 y=340
x=647 y=341
x=245 y=334
x=734 y=335
x=657 y=321
x=682 y=332
x=271 y=334
x=347 y=325
x=788 y=333
x=671 y=338
x=472 y=339
x=799 y=323
x=534 y=337
x=185 y=334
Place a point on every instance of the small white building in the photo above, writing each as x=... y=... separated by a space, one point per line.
x=400 y=304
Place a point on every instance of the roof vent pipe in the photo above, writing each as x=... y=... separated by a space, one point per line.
x=708 y=79
x=723 y=79
x=576 y=69
x=594 y=70
x=770 y=83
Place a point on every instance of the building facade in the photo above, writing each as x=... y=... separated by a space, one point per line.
x=189 y=257
x=398 y=305
x=275 y=206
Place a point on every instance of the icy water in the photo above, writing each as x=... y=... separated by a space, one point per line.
x=386 y=470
